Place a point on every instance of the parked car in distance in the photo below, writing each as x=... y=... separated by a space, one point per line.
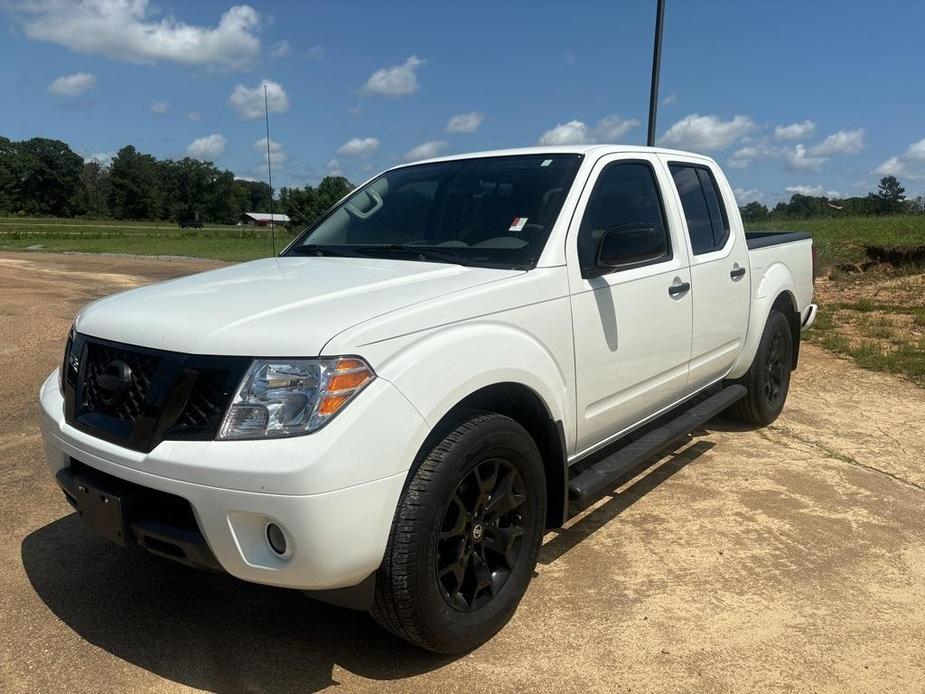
x=190 y=223
x=391 y=413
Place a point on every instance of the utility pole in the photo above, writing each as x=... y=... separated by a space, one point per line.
x=656 y=67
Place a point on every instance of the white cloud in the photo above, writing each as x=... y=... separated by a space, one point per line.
x=744 y=196
x=333 y=168
x=207 y=148
x=705 y=133
x=355 y=110
x=249 y=102
x=359 y=147
x=795 y=131
x=194 y=116
x=104 y=159
x=894 y=166
x=397 y=80
x=798 y=159
x=746 y=156
x=465 y=122
x=669 y=100
x=72 y=85
x=131 y=30
x=612 y=128
x=277 y=155
x=280 y=50
x=814 y=191
x=910 y=163
x=315 y=53
x=159 y=108
x=916 y=151
x=425 y=150
x=842 y=142
x=575 y=132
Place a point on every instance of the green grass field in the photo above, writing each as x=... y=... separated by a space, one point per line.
x=842 y=241
x=139 y=238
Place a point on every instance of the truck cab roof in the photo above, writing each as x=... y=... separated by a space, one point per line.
x=594 y=150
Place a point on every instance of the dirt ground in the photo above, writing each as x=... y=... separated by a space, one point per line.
x=787 y=559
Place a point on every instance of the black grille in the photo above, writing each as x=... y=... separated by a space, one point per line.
x=207 y=401
x=167 y=395
x=128 y=407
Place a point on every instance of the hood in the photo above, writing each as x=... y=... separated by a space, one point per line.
x=275 y=307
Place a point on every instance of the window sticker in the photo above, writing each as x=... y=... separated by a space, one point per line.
x=518 y=224
x=546 y=162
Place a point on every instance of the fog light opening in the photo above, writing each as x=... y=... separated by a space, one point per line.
x=276 y=538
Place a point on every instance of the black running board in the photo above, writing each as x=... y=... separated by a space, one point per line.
x=607 y=472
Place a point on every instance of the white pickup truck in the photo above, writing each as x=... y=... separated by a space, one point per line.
x=391 y=413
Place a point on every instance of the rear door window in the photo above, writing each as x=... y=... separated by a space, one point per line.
x=707 y=222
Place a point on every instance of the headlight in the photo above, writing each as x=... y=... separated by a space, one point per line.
x=288 y=397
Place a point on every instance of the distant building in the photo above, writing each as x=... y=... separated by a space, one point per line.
x=262 y=219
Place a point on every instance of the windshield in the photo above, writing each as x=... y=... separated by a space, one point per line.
x=491 y=212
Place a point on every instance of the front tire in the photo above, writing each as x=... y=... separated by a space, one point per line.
x=768 y=378
x=465 y=538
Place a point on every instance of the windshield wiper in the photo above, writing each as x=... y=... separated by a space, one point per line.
x=323 y=249
x=423 y=252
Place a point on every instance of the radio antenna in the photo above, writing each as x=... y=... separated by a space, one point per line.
x=266 y=112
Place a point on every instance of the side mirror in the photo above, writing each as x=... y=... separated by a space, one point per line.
x=631 y=244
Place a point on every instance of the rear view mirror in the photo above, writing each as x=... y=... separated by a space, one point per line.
x=631 y=244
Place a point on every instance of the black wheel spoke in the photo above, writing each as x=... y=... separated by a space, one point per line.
x=505 y=499
x=458 y=526
x=503 y=542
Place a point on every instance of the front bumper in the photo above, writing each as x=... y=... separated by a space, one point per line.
x=336 y=525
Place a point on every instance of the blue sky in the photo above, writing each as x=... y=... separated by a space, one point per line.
x=788 y=96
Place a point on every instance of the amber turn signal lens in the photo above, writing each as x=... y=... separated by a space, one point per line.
x=348 y=381
x=331 y=404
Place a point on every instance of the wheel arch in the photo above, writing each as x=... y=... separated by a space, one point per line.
x=786 y=304
x=525 y=406
x=776 y=291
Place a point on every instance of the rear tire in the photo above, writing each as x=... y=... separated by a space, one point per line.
x=465 y=537
x=768 y=378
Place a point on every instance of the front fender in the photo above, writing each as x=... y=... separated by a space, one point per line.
x=777 y=279
x=441 y=368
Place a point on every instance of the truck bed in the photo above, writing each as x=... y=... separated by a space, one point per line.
x=762 y=239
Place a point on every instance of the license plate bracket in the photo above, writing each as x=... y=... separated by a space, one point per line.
x=106 y=506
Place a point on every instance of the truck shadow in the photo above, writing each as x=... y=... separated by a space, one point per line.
x=617 y=502
x=208 y=631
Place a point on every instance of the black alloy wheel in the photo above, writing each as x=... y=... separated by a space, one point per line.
x=481 y=535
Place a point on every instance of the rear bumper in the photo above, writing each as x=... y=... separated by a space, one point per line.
x=335 y=538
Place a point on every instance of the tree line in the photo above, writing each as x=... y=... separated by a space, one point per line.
x=42 y=176
x=890 y=198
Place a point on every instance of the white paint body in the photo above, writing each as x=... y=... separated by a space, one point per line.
x=604 y=355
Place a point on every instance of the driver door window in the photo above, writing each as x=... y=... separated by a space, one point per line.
x=625 y=200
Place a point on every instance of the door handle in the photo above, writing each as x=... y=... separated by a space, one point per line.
x=679 y=289
x=737 y=272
